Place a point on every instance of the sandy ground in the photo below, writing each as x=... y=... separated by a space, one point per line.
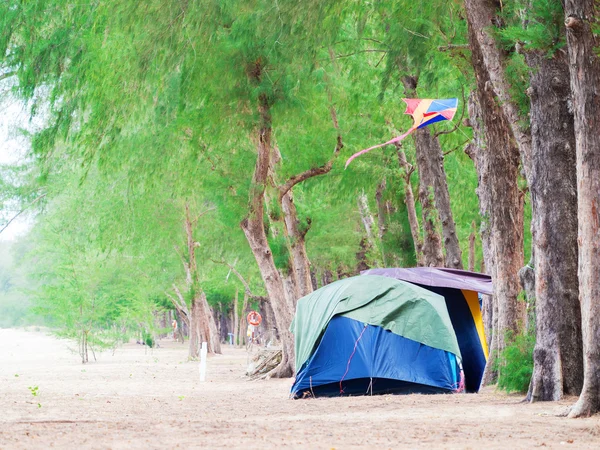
x=142 y=398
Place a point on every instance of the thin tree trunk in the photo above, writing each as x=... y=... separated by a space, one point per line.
x=366 y=218
x=409 y=200
x=236 y=319
x=482 y=16
x=527 y=280
x=432 y=180
x=327 y=277
x=254 y=230
x=584 y=68
x=558 y=359
x=203 y=327
x=432 y=242
x=381 y=217
x=500 y=165
x=296 y=236
x=195 y=327
x=476 y=150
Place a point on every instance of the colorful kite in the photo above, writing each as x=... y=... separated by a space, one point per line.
x=424 y=112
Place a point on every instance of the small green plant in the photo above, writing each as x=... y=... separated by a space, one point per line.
x=33 y=390
x=181 y=397
x=515 y=364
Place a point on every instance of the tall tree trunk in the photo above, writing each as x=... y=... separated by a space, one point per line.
x=296 y=236
x=409 y=200
x=432 y=179
x=584 y=68
x=558 y=359
x=476 y=150
x=501 y=171
x=482 y=17
x=254 y=230
x=195 y=330
x=202 y=320
x=366 y=218
x=236 y=319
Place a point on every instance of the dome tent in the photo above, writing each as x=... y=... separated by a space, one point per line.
x=373 y=334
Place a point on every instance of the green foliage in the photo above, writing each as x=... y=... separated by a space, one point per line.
x=515 y=364
x=536 y=25
x=152 y=106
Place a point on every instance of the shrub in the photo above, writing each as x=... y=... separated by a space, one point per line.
x=515 y=364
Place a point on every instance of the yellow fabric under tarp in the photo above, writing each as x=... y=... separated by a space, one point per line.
x=473 y=302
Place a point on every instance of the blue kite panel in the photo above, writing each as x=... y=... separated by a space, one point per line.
x=432 y=120
x=356 y=358
x=440 y=104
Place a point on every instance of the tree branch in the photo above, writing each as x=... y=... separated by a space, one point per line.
x=21 y=212
x=448 y=47
x=6 y=75
x=180 y=305
x=315 y=171
x=369 y=50
x=241 y=278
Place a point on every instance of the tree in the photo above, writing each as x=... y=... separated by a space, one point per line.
x=584 y=69
x=500 y=185
x=550 y=171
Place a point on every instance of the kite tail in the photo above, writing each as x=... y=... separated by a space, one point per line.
x=393 y=141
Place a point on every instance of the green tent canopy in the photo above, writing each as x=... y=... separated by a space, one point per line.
x=400 y=307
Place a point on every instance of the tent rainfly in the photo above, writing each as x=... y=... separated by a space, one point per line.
x=378 y=334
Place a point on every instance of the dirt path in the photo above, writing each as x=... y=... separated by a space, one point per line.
x=141 y=398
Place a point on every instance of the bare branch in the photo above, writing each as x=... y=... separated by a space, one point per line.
x=242 y=279
x=195 y=221
x=457 y=147
x=6 y=75
x=21 y=212
x=180 y=305
x=369 y=50
x=315 y=171
x=449 y=47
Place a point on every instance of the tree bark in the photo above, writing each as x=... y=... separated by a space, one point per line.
x=584 y=69
x=296 y=236
x=254 y=230
x=482 y=16
x=558 y=359
x=366 y=218
x=476 y=150
x=236 y=319
x=409 y=200
x=500 y=171
x=381 y=217
x=472 y=238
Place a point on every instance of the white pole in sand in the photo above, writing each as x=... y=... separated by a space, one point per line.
x=203 y=353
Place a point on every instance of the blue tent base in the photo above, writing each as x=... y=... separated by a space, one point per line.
x=368 y=386
x=358 y=353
